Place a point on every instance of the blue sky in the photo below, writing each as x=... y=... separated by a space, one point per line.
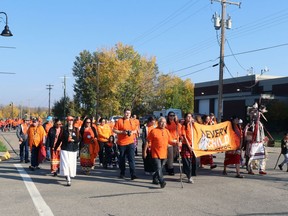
x=48 y=35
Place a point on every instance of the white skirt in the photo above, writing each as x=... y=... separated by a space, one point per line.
x=68 y=163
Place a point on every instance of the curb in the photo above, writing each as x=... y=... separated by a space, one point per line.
x=4 y=156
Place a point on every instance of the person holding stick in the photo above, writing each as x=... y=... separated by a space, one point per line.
x=284 y=151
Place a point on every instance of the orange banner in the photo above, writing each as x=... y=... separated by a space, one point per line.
x=211 y=139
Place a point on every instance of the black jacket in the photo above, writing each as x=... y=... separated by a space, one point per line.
x=51 y=136
x=68 y=145
x=284 y=149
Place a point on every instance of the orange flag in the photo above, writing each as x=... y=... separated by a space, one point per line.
x=211 y=139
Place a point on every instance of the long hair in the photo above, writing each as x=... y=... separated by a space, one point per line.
x=83 y=127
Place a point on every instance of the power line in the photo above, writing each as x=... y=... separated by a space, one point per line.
x=257 y=50
x=165 y=21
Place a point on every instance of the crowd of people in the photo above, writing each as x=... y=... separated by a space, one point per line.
x=164 y=141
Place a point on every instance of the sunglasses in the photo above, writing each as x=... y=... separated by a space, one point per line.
x=171 y=115
x=88 y=122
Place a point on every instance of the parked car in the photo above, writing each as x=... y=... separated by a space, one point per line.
x=144 y=119
x=115 y=118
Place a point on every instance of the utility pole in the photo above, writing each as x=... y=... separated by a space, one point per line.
x=223 y=23
x=49 y=87
x=64 y=99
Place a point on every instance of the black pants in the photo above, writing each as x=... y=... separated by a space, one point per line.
x=129 y=152
x=158 y=167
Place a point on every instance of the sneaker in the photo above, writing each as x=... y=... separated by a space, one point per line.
x=133 y=177
x=55 y=174
x=224 y=172
x=32 y=168
x=155 y=181
x=101 y=165
x=147 y=173
x=213 y=166
x=68 y=183
x=239 y=176
x=251 y=173
x=21 y=161
x=121 y=176
x=280 y=167
x=163 y=184
x=190 y=180
x=262 y=172
x=110 y=166
x=37 y=167
x=27 y=161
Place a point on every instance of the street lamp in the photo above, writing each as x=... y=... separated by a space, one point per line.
x=6 y=32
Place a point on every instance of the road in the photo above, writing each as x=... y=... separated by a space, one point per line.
x=24 y=192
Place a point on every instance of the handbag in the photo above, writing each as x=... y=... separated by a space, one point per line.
x=42 y=154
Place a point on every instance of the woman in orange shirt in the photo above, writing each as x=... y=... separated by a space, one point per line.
x=174 y=127
x=159 y=138
x=104 y=132
x=89 y=146
x=188 y=157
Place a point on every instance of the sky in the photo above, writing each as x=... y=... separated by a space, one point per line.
x=49 y=35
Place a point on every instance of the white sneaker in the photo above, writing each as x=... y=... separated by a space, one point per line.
x=110 y=166
x=190 y=180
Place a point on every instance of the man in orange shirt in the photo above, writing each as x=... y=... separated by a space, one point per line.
x=36 y=138
x=125 y=128
x=159 y=139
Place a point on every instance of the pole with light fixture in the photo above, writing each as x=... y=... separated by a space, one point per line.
x=222 y=23
x=6 y=32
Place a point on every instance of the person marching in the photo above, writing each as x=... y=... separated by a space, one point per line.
x=207 y=159
x=47 y=125
x=188 y=157
x=234 y=157
x=174 y=127
x=104 y=132
x=53 y=136
x=159 y=138
x=151 y=124
x=125 y=128
x=36 y=138
x=69 y=146
x=21 y=132
x=89 y=146
x=284 y=151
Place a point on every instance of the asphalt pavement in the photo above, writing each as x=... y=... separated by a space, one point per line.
x=25 y=192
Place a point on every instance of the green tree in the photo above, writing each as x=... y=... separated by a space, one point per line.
x=125 y=79
x=58 y=108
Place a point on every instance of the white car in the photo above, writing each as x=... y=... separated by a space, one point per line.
x=115 y=118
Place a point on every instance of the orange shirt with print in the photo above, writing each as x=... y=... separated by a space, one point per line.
x=36 y=135
x=174 y=129
x=125 y=124
x=159 y=139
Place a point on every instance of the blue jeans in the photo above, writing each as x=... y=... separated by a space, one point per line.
x=129 y=152
x=24 y=151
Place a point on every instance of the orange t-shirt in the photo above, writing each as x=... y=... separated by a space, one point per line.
x=36 y=135
x=104 y=132
x=174 y=129
x=125 y=124
x=187 y=132
x=159 y=139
